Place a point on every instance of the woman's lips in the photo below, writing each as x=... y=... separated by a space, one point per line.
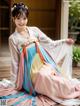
x=21 y=25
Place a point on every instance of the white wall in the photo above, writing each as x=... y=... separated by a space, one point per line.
x=64 y=19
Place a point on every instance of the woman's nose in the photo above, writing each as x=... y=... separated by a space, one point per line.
x=21 y=21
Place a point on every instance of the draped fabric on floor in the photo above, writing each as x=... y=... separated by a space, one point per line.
x=40 y=81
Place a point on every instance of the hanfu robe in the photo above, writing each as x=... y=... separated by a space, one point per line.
x=36 y=73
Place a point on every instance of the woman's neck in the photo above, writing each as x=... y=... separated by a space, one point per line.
x=22 y=31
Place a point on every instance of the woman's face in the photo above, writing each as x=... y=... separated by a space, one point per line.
x=20 y=22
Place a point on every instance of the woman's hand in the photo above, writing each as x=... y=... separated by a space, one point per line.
x=70 y=41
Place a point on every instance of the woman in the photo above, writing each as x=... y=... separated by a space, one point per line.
x=35 y=69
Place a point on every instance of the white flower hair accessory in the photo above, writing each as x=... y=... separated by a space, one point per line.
x=14 y=6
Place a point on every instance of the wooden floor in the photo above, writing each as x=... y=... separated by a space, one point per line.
x=5 y=61
x=76 y=72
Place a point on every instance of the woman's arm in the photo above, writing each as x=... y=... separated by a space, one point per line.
x=44 y=38
x=14 y=59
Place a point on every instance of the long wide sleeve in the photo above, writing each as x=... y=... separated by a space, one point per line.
x=43 y=38
x=59 y=50
x=14 y=59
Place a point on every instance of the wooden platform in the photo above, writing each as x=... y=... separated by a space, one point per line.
x=76 y=72
x=5 y=61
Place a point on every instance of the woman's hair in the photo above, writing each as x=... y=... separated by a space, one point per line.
x=19 y=9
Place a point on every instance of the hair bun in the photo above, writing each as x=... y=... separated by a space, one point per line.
x=19 y=8
x=17 y=5
x=20 y=4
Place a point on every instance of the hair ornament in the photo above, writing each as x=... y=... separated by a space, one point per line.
x=14 y=6
x=26 y=7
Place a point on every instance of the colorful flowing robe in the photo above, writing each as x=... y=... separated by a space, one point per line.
x=34 y=56
x=58 y=50
x=39 y=75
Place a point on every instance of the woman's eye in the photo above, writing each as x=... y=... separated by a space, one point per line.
x=24 y=18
